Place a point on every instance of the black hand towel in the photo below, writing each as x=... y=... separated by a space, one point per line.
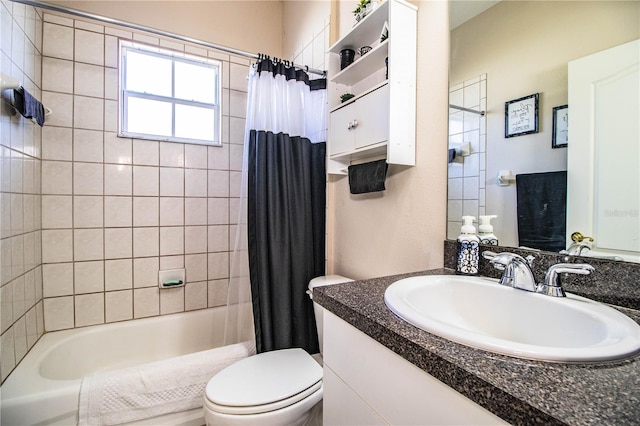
x=542 y=210
x=368 y=177
x=452 y=154
x=28 y=106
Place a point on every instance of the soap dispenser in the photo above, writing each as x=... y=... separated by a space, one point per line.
x=468 y=248
x=485 y=231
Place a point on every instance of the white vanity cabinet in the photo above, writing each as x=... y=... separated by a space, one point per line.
x=380 y=120
x=366 y=383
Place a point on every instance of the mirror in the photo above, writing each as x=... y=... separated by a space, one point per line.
x=511 y=50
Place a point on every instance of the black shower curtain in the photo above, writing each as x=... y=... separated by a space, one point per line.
x=286 y=230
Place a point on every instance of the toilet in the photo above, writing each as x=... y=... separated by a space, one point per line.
x=272 y=388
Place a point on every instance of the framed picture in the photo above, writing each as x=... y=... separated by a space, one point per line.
x=521 y=116
x=560 y=138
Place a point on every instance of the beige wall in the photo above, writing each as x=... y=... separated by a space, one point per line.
x=401 y=229
x=253 y=26
x=524 y=47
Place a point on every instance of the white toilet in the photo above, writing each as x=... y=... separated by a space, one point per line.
x=272 y=388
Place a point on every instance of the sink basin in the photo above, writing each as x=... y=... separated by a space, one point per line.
x=481 y=313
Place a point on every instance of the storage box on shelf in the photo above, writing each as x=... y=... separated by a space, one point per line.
x=379 y=121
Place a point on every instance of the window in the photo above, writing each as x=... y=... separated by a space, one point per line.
x=169 y=96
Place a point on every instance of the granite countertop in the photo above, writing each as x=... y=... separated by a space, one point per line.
x=519 y=391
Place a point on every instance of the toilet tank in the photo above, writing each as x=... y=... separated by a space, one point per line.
x=317 y=309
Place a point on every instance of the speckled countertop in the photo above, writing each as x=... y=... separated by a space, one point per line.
x=519 y=391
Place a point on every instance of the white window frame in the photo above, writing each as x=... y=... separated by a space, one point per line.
x=127 y=45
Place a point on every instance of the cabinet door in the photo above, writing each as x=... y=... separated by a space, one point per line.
x=342 y=136
x=373 y=118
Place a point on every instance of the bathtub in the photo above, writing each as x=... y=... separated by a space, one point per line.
x=45 y=386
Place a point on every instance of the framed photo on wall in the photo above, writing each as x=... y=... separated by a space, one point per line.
x=560 y=138
x=521 y=116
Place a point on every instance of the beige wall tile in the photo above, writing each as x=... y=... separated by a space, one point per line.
x=89 y=80
x=88 y=146
x=145 y=272
x=218 y=157
x=118 y=274
x=119 y=305
x=57 y=211
x=89 y=47
x=118 y=179
x=88 y=178
x=57 y=41
x=195 y=210
x=88 y=212
x=57 y=75
x=146 y=302
x=171 y=211
x=57 y=143
x=117 y=150
x=218 y=238
x=88 y=113
x=218 y=265
x=88 y=244
x=146 y=211
x=171 y=240
x=146 y=181
x=195 y=239
x=89 y=309
x=195 y=182
x=196 y=267
x=172 y=154
x=118 y=211
x=195 y=156
x=58 y=313
x=146 y=153
x=171 y=300
x=57 y=279
x=89 y=277
x=146 y=242
x=62 y=104
x=171 y=182
x=57 y=245
x=118 y=243
x=195 y=295
x=218 y=211
x=217 y=292
x=57 y=177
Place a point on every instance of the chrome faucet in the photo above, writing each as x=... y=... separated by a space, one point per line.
x=552 y=285
x=517 y=270
x=518 y=273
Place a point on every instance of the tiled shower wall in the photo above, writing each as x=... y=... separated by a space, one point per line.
x=115 y=210
x=21 y=310
x=467 y=175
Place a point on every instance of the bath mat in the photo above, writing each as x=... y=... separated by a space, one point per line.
x=154 y=389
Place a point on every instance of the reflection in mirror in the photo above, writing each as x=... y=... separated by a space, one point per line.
x=512 y=50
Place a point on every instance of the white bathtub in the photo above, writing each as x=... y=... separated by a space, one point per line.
x=45 y=386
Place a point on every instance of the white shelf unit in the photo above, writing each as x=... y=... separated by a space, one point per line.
x=387 y=104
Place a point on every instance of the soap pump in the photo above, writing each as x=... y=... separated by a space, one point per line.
x=485 y=231
x=468 y=248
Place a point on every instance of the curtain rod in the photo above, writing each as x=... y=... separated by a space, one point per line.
x=131 y=25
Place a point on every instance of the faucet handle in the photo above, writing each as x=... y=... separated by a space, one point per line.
x=553 y=286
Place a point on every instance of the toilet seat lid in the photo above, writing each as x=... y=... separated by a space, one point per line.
x=264 y=379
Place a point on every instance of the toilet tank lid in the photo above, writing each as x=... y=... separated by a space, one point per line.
x=264 y=378
x=327 y=280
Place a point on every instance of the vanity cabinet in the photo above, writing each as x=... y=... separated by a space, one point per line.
x=379 y=122
x=366 y=383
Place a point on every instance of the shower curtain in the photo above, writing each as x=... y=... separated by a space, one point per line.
x=284 y=186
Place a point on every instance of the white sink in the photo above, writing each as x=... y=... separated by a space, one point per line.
x=481 y=313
